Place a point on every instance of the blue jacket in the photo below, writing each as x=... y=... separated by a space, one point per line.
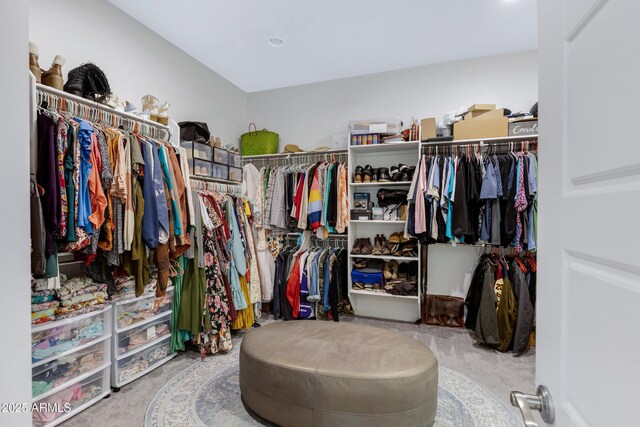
x=150 y=228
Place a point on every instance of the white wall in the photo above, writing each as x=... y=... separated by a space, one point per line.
x=15 y=332
x=309 y=115
x=137 y=62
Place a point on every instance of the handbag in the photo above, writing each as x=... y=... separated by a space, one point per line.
x=443 y=310
x=388 y=197
x=194 y=131
x=258 y=142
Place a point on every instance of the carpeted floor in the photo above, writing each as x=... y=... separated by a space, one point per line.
x=455 y=349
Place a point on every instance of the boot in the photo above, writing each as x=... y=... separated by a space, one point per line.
x=367 y=248
x=357 y=247
x=34 y=67
x=385 y=245
x=53 y=76
x=377 y=248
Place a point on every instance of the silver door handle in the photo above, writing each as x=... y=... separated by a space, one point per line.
x=540 y=402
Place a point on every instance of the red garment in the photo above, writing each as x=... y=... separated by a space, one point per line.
x=297 y=201
x=293 y=287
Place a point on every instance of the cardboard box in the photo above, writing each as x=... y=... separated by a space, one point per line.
x=482 y=107
x=523 y=127
x=476 y=129
x=490 y=114
x=427 y=128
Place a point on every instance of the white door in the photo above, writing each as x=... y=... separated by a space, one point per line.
x=589 y=211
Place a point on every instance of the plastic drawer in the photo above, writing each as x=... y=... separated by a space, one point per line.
x=221 y=171
x=59 y=372
x=130 y=312
x=59 y=406
x=220 y=156
x=54 y=339
x=198 y=150
x=201 y=168
x=235 y=160
x=132 y=340
x=132 y=367
x=235 y=174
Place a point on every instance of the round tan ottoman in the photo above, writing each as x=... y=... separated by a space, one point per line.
x=315 y=373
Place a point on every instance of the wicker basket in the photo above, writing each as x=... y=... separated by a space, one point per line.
x=258 y=142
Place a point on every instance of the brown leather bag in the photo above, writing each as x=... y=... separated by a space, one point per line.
x=442 y=310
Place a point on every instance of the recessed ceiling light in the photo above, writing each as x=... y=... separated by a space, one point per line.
x=276 y=41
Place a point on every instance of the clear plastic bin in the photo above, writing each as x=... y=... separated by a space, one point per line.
x=136 y=338
x=235 y=160
x=62 y=337
x=53 y=409
x=138 y=310
x=235 y=174
x=201 y=168
x=198 y=150
x=221 y=171
x=220 y=156
x=138 y=364
x=56 y=373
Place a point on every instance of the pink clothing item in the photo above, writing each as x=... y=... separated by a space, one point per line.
x=420 y=215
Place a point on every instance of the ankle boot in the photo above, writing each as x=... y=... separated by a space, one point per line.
x=34 y=67
x=377 y=248
x=53 y=76
x=357 y=247
x=367 y=248
x=385 y=245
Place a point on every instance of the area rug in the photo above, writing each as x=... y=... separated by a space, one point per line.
x=208 y=394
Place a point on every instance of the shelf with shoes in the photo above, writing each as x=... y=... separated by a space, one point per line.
x=394 y=163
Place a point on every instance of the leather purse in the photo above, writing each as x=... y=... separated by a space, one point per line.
x=443 y=310
x=388 y=197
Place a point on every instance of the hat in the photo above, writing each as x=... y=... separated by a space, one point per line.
x=323 y=148
x=292 y=148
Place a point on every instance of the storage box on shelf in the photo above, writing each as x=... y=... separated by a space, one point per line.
x=235 y=159
x=71 y=361
x=198 y=150
x=220 y=171
x=367 y=302
x=142 y=336
x=201 y=168
x=220 y=156
x=235 y=174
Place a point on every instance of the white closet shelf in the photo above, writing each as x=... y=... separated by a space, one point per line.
x=380 y=184
x=390 y=257
x=380 y=294
x=358 y=221
x=385 y=147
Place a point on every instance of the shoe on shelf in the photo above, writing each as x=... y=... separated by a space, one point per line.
x=357 y=247
x=377 y=246
x=412 y=272
x=367 y=247
x=367 y=172
x=53 y=76
x=394 y=238
x=391 y=270
x=402 y=270
x=34 y=66
x=375 y=175
x=409 y=248
x=410 y=172
x=402 y=167
x=358 y=285
x=383 y=175
x=385 y=247
x=395 y=173
x=357 y=176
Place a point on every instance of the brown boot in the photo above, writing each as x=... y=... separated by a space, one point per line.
x=53 y=76
x=357 y=247
x=34 y=67
x=377 y=246
x=367 y=248
x=385 y=245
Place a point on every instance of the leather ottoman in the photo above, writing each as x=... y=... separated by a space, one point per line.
x=316 y=373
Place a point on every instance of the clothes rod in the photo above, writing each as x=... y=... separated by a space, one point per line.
x=330 y=236
x=487 y=141
x=92 y=104
x=302 y=153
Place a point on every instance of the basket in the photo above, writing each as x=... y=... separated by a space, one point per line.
x=258 y=142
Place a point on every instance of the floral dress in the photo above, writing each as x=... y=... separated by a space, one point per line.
x=217 y=316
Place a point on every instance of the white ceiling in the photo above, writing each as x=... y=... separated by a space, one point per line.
x=332 y=39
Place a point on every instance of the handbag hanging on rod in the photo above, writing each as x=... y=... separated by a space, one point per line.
x=256 y=142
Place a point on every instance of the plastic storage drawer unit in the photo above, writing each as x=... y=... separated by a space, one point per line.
x=138 y=364
x=63 y=371
x=130 y=312
x=235 y=160
x=201 y=168
x=235 y=174
x=52 y=409
x=134 y=339
x=55 y=339
x=221 y=171
x=198 y=150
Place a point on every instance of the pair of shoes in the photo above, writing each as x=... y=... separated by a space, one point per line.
x=362 y=247
x=158 y=113
x=402 y=172
x=370 y=174
x=408 y=271
x=380 y=245
x=391 y=270
x=53 y=76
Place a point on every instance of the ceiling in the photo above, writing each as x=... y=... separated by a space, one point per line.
x=332 y=39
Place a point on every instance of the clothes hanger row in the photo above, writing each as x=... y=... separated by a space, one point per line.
x=96 y=115
x=200 y=185
x=473 y=149
x=289 y=159
x=336 y=240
